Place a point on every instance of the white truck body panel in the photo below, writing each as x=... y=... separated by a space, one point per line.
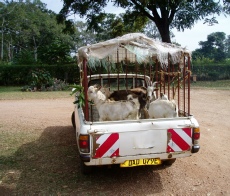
x=138 y=139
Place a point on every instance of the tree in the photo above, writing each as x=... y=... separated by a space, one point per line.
x=4 y=13
x=166 y=14
x=108 y=26
x=213 y=48
x=83 y=36
x=30 y=30
x=227 y=46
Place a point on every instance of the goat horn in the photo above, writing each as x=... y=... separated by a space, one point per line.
x=154 y=83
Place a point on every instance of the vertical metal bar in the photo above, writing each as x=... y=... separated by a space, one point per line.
x=118 y=69
x=109 y=73
x=184 y=75
x=126 y=69
x=144 y=71
x=136 y=70
x=100 y=70
x=178 y=87
x=150 y=72
x=169 y=76
x=173 y=88
x=164 y=79
x=85 y=85
x=91 y=108
x=189 y=69
x=156 y=69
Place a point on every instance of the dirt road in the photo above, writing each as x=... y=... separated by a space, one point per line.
x=55 y=169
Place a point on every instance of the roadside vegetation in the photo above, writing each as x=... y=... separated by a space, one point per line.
x=15 y=93
x=217 y=85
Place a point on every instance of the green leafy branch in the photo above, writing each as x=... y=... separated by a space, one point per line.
x=78 y=90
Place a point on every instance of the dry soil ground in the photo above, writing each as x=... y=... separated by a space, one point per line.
x=52 y=170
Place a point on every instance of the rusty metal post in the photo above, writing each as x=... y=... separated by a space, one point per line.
x=173 y=88
x=168 y=77
x=184 y=77
x=91 y=109
x=136 y=68
x=85 y=85
x=189 y=69
x=109 y=69
x=178 y=87
x=126 y=69
x=156 y=75
x=118 y=69
x=150 y=72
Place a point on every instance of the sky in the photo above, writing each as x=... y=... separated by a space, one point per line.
x=189 y=38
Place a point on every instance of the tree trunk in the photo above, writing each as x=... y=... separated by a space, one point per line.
x=162 y=21
x=35 y=50
x=35 y=54
x=3 y=21
x=163 y=27
x=165 y=33
x=9 y=52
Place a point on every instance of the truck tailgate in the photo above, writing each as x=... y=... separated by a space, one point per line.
x=141 y=138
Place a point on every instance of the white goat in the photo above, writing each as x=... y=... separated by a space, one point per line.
x=163 y=108
x=151 y=94
x=163 y=96
x=114 y=110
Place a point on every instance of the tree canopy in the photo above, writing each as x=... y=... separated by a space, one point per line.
x=216 y=47
x=30 y=33
x=166 y=14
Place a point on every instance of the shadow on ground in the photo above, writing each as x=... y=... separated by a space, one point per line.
x=50 y=165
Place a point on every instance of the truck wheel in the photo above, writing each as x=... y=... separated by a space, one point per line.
x=169 y=162
x=73 y=120
x=85 y=169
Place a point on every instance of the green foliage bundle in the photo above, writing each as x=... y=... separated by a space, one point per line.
x=79 y=94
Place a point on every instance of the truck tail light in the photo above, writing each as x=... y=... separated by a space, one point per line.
x=84 y=143
x=196 y=133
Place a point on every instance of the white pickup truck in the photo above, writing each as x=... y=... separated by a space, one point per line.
x=142 y=141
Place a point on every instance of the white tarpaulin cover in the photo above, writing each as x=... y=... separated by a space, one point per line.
x=144 y=48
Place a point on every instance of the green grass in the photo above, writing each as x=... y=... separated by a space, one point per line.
x=14 y=93
x=218 y=85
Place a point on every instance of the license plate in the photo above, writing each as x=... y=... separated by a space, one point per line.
x=140 y=162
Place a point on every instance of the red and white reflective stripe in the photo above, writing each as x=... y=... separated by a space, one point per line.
x=108 y=145
x=181 y=140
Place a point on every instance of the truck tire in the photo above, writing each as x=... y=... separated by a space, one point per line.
x=85 y=169
x=169 y=162
x=73 y=120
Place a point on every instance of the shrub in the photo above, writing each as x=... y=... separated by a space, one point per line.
x=211 y=72
x=55 y=85
x=18 y=74
x=213 y=75
x=39 y=78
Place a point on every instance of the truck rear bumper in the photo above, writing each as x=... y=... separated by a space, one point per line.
x=118 y=160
